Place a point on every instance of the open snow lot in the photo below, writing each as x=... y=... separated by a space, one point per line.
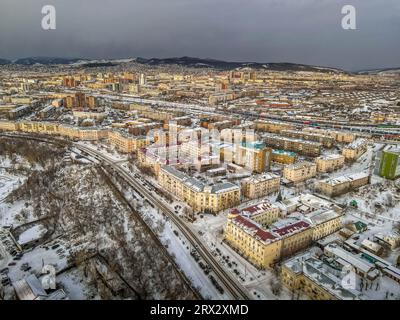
x=75 y=286
x=8 y=183
x=9 y=212
x=38 y=257
x=32 y=234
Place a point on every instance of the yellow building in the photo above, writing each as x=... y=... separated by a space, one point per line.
x=89 y=115
x=339 y=136
x=329 y=163
x=295 y=235
x=336 y=186
x=355 y=149
x=255 y=156
x=260 y=247
x=273 y=126
x=9 y=125
x=326 y=141
x=263 y=213
x=325 y=222
x=283 y=156
x=304 y=274
x=200 y=197
x=300 y=171
x=308 y=148
x=39 y=127
x=259 y=186
x=125 y=142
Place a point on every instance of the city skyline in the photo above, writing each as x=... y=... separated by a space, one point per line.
x=306 y=32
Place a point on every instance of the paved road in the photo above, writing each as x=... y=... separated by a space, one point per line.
x=231 y=285
x=223 y=276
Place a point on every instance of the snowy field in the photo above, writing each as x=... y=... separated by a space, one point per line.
x=9 y=213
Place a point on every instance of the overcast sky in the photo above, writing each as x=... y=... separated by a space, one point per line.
x=300 y=31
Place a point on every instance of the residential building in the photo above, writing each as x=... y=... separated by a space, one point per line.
x=355 y=149
x=337 y=186
x=388 y=163
x=283 y=156
x=261 y=185
x=307 y=148
x=199 y=196
x=299 y=172
x=329 y=163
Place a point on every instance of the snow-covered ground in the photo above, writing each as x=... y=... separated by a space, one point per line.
x=32 y=234
x=9 y=213
x=36 y=258
x=75 y=286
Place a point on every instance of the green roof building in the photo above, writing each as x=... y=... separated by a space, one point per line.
x=388 y=164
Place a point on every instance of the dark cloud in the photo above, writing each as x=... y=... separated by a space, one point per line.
x=303 y=31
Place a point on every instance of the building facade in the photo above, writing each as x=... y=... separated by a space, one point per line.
x=299 y=172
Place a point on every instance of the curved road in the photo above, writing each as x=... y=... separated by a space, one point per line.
x=235 y=289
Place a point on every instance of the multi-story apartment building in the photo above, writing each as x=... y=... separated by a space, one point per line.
x=220 y=97
x=336 y=186
x=328 y=163
x=251 y=233
x=80 y=101
x=9 y=125
x=259 y=246
x=263 y=213
x=326 y=141
x=300 y=171
x=388 y=163
x=294 y=234
x=89 y=115
x=261 y=185
x=324 y=222
x=199 y=196
x=255 y=156
x=39 y=127
x=355 y=149
x=339 y=136
x=273 y=126
x=125 y=142
x=283 y=156
x=307 y=148
x=304 y=273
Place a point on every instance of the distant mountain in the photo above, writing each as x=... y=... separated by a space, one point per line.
x=226 y=65
x=4 y=62
x=182 y=61
x=380 y=71
x=44 y=61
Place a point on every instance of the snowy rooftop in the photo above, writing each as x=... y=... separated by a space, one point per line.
x=278 y=137
x=261 y=178
x=289 y=226
x=253 y=229
x=257 y=209
x=300 y=165
x=357 y=144
x=344 y=179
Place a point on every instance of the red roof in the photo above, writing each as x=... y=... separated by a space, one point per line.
x=262 y=234
x=291 y=228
